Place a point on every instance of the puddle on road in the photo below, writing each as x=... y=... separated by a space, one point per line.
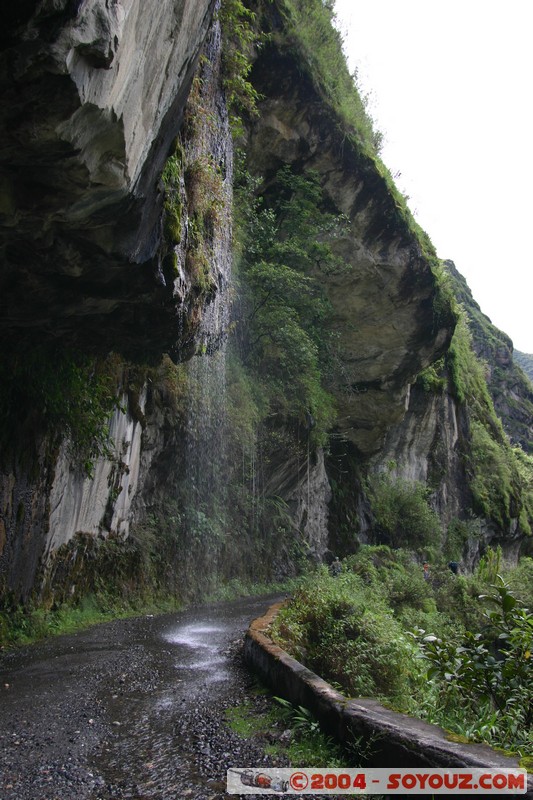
x=164 y=738
x=198 y=649
x=193 y=635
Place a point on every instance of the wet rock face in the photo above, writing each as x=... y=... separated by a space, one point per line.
x=383 y=305
x=93 y=97
x=302 y=481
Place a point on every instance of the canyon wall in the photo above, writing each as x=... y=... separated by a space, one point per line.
x=116 y=222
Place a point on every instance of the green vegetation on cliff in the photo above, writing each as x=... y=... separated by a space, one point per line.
x=241 y=36
x=500 y=475
x=62 y=392
x=511 y=391
x=403 y=515
x=309 y=32
x=309 y=28
x=282 y=332
x=525 y=361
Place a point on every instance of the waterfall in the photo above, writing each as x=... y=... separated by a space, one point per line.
x=206 y=427
x=205 y=490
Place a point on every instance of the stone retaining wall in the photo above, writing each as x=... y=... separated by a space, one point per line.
x=398 y=740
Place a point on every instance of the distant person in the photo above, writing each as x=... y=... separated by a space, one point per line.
x=427 y=573
x=454 y=566
x=336 y=567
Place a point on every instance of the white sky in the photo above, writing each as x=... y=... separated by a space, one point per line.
x=450 y=87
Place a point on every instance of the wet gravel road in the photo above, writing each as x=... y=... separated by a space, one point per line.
x=129 y=709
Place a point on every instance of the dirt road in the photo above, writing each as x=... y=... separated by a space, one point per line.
x=129 y=709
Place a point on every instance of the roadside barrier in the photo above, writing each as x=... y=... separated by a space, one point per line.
x=396 y=739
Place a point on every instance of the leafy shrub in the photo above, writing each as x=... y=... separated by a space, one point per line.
x=403 y=512
x=456 y=596
x=348 y=635
x=394 y=574
x=432 y=379
x=489 y=673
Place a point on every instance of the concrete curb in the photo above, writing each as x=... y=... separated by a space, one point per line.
x=399 y=740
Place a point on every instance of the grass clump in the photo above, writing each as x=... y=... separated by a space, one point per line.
x=289 y=734
x=173 y=206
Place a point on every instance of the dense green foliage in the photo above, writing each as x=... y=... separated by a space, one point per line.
x=489 y=674
x=475 y=640
x=240 y=35
x=282 y=331
x=62 y=391
x=510 y=390
x=403 y=513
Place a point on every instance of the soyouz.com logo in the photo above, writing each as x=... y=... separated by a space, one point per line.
x=254 y=780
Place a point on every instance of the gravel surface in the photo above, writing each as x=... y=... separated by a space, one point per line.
x=129 y=709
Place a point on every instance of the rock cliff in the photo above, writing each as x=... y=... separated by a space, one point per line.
x=525 y=361
x=93 y=95
x=383 y=303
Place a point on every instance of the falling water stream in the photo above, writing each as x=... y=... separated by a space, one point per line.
x=205 y=448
